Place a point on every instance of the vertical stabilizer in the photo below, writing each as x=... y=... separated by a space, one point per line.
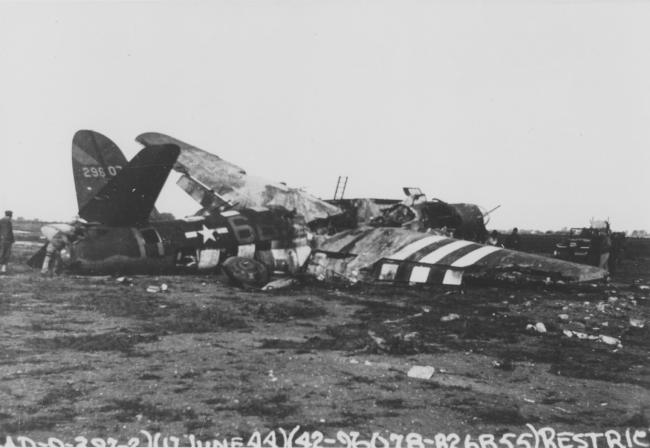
x=95 y=161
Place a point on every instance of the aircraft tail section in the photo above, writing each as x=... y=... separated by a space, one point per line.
x=128 y=197
x=95 y=161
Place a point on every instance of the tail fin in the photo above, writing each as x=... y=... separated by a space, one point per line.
x=95 y=161
x=128 y=198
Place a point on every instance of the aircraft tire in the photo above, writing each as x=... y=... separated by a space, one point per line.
x=246 y=271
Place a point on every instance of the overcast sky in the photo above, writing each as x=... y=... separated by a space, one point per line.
x=540 y=106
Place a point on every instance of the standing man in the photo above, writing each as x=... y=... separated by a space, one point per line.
x=605 y=248
x=6 y=240
x=512 y=241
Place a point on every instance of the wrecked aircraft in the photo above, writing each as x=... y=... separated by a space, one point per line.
x=202 y=169
x=415 y=212
x=118 y=236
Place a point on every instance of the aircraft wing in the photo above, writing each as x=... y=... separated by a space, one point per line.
x=233 y=183
x=129 y=197
x=402 y=255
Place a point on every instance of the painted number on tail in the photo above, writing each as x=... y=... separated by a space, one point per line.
x=99 y=171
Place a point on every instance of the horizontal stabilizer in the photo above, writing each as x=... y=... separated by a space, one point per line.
x=128 y=198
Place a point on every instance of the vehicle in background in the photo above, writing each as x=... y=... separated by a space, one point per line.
x=582 y=245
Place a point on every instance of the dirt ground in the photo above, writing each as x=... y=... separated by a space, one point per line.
x=94 y=357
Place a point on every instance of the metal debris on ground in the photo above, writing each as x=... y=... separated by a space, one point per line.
x=279 y=284
x=379 y=342
x=638 y=323
x=538 y=327
x=449 y=317
x=421 y=372
x=124 y=280
x=505 y=364
x=609 y=340
x=153 y=288
x=246 y=271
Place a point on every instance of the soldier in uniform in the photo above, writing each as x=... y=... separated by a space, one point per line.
x=6 y=240
x=605 y=248
x=59 y=237
x=512 y=241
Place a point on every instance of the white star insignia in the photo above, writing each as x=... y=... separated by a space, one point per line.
x=207 y=234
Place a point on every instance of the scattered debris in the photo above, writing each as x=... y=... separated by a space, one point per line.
x=579 y=335
x=393 y=321
x=124 y=280
x=411 y=336
x=279 y=284
x=380 y=342
x=154 y=289
x=638 y=323
x=538 y=327
x=421 y=372
x=449 y=317
x=609 y=340
x=563 y=316
x=505 y=364
x=246 y=271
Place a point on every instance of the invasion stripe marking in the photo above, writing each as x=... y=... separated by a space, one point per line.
x=388 y=271
x=415 y=246
x=453 y=278
x=428 y=249
x=460 y=253
x=419 y=274
x=474 y=256
x=445 y=250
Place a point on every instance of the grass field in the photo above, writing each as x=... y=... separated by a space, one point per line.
x=89 y=356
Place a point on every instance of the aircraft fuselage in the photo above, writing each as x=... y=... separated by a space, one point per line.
x=193 y=244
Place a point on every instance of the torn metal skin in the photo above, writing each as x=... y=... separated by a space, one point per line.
x=233 y=183
x=403 y=256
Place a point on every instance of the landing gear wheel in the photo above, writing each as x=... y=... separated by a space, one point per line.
x=246 y=271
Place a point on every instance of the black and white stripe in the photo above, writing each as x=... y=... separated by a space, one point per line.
x=433 y=259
